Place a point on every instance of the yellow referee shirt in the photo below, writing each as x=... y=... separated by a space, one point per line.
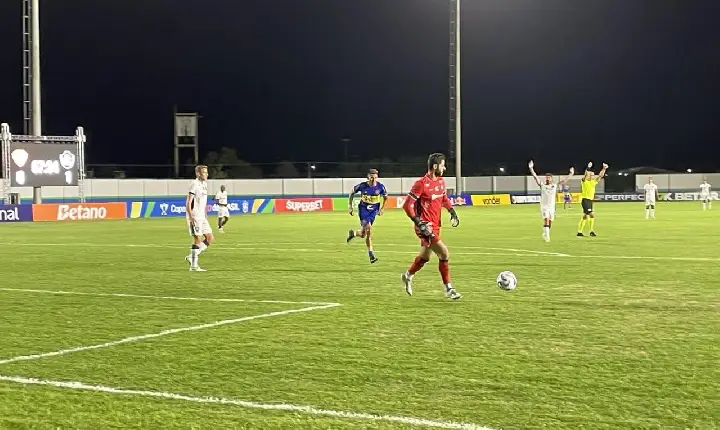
x=587 y=189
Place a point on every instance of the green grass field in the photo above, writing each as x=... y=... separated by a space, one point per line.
x=618 y=331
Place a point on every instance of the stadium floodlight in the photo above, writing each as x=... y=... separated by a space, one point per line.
x=32 y=116
x=455 y=116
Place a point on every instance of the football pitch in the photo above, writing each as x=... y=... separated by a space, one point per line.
x=102 y=325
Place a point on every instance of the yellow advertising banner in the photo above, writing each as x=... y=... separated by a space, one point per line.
x=490 y=199
x=574 y=198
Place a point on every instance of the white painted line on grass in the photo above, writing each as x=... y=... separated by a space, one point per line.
x=241 y=247
x=411 y=250
x=165 y=333
x=554 y=254
x=309 y=410
x=142 y=296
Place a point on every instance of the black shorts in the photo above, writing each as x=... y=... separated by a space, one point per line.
x=587 y=206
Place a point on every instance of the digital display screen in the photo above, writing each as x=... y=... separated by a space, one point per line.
x=43 y=164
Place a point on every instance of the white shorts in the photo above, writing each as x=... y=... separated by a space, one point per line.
x=704 y=197
x=547 y=212
x=649 y=202
x=200 y=227
x=223 y=212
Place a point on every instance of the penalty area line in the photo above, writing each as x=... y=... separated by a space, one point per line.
x=132 y=339
x=308 y=410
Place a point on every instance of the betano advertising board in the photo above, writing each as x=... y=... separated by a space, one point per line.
x=79 y=211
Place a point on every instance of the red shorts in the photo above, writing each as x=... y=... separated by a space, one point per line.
x=425 y=241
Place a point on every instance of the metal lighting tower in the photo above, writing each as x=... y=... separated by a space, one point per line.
x=31 y=75
x=455 y=116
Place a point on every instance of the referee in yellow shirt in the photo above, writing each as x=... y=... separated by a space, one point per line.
x=587 y=186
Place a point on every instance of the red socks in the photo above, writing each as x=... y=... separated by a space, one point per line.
x=444 y=267
x=416 y=265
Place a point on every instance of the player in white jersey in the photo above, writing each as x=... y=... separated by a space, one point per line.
x=651 y=196
x=705 y=195
x=221 y=199
x=196 y=214
x=548 y=197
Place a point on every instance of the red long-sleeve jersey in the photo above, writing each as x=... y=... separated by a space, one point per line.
x=426 y=199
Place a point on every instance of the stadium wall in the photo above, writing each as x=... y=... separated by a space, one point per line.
x=683 y=182
x=151 y=189
x=105 y=190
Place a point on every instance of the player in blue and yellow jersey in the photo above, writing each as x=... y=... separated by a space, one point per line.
x=373 y=197
x=567 y=197
x=587 y=190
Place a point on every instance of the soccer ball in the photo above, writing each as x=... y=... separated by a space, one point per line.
x=507 y=281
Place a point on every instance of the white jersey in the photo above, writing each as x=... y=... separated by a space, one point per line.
x=221 y=198
x=650 y=192
x=198 y=202
x=548 y=198
x=705 y=189
x=548 y=195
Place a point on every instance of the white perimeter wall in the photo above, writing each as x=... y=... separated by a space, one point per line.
x=118 y=188
x=679 y=182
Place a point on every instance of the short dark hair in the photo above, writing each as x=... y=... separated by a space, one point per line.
x=435 y=158
x=372 y=172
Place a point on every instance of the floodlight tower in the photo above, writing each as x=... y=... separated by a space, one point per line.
x=32 y=114
x=454 y=111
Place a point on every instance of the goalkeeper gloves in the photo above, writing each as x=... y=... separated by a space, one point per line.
x=454 y=220
x=422 y=226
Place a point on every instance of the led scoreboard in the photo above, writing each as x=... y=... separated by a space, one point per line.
x=48 y=164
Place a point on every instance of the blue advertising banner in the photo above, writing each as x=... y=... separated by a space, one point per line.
x=16 y=213
x=461 y=200
x=640 y=196
x=622 y=197
x=176 y=208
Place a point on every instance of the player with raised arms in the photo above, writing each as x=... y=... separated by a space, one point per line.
x=705 y=194
x=651 y=196
x=196 y=215
x=423 y=206
x=221 y=199
x=548 y=197
x=371 y=194
x=587 y=193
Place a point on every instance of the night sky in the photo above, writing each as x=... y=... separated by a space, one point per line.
x=624 y=81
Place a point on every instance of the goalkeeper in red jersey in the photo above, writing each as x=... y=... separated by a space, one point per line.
x=423 y=206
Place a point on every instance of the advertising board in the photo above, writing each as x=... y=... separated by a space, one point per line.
x=15 y=213
x=79 y=211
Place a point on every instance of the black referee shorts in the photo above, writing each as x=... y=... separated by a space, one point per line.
x=587 y=206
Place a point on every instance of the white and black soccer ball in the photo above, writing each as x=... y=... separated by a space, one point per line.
x=507 y=280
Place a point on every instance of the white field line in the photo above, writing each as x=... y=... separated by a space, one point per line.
x=142 y=296
x=555 y=254
x=165 y=333
x=309 y=410
x=411 y=249
x=511 y=251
